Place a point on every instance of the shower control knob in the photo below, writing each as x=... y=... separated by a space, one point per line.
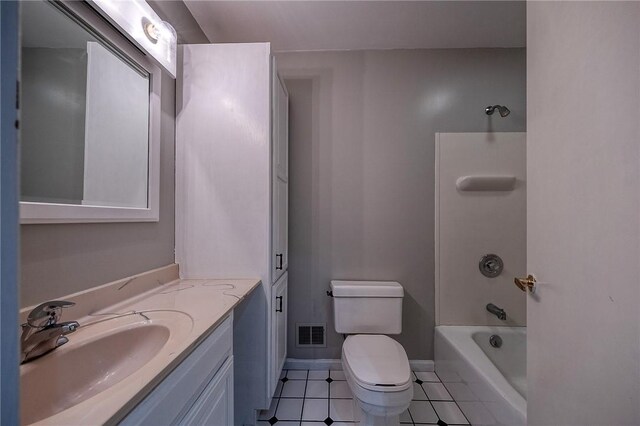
x=491 y=265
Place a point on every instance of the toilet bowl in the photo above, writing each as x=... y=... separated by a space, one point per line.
x=376 y=366
x=377 y=371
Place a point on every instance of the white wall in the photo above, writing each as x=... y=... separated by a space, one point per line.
x=472 y=224
x=583 y=240
x=363 y=125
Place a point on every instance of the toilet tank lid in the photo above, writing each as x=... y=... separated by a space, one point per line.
x=366 y=289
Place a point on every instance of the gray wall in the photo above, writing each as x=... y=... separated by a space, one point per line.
x=62 y=259
x=54 y=85
x=362 y=169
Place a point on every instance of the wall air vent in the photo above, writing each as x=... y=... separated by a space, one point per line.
x=311 y=335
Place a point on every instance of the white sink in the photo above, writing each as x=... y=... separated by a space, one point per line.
x=98 y=356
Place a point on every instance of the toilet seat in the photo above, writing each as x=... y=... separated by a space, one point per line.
x=377 y=363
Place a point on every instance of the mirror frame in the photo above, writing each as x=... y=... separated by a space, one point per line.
x=38 y=212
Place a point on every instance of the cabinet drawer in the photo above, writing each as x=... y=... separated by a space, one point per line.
x=173 y=397
x=214 y=407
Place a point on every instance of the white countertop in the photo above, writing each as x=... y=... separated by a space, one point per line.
x=206 y=302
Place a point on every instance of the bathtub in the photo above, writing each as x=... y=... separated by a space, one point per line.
x=488 y=383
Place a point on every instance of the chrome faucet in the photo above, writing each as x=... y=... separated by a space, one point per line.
x=42 y=332
x=500 y=313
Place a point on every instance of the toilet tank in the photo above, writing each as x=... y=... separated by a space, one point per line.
x=373 y=307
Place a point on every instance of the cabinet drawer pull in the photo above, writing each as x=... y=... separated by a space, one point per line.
x=279 y=299
x=279 y=265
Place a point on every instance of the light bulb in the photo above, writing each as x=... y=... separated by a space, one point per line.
x=150 y=30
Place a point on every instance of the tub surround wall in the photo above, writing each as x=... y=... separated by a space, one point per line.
x=362 y=170
x=470 y=224
x=66 y=258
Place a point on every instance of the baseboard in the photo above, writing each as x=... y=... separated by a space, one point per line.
x=335 y=364
x=312 y=364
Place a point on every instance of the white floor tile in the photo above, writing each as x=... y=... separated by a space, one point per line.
x=436 y=392
x=460 y=392
x=477 y=413
x=293 y=389
x=289 y=409
x=317 y=389
x=337 y=375
x=318 y=374
x=427 y=376
x=422 y=412
x=418 y=393
x=267 y=414
x=297 y=374
x=342 y=410
x=340 y=389
x=450 y=413
x=321 y=424
x=315 y=409
x=405 y=417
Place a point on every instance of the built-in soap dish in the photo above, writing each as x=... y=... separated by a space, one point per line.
x=486 y=183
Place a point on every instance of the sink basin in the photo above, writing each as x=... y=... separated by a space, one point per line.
x=98 y=356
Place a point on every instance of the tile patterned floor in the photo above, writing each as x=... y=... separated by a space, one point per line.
x=322 y=397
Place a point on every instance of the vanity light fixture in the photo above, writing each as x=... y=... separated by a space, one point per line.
x=142 y=25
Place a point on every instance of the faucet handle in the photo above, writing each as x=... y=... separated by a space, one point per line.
x=47 y=313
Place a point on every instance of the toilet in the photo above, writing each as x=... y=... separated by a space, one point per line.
x=376 y=366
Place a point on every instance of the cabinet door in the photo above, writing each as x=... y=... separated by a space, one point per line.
x=277 y=257
x=280 y=152
x=281 y=228
x=279 y=327
x=214 y=407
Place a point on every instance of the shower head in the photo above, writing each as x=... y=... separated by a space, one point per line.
x=503 y=110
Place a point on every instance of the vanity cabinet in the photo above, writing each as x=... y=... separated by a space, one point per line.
x=199 y=391
x=232 y=185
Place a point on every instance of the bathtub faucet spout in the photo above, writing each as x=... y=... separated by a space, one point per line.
x=498 y=312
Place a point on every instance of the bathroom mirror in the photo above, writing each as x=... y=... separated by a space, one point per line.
x=89 y=119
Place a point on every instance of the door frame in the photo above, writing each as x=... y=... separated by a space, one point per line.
x=9 y=213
